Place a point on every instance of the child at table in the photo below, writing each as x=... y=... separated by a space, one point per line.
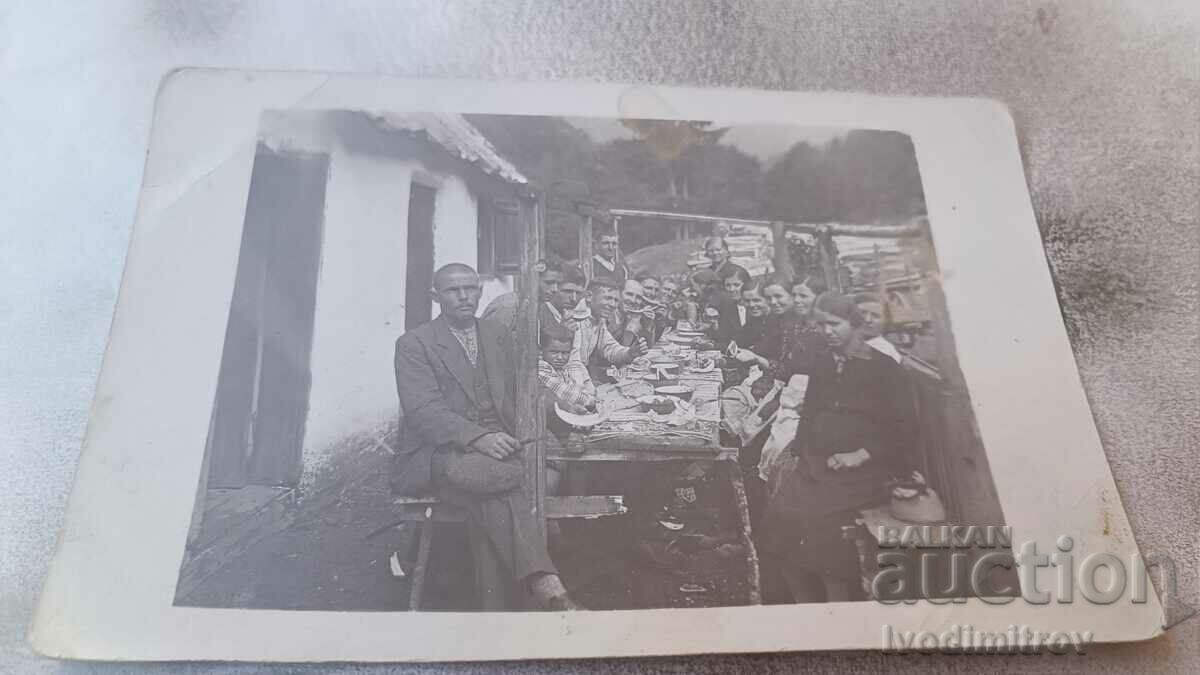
x=563 y=375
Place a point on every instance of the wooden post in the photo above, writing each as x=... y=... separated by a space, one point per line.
x=530 y=413
x=881 y=289
x=972 y=498
x=828 y=255
x=585 y=247
x=783 y=255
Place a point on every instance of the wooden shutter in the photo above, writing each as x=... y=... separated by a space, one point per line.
x=485 y=254
x=509 y=237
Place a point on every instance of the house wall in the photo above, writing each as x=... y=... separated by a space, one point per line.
x=455 y=206
x=361 y=290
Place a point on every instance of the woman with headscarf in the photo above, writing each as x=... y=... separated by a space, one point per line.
x=857 y=428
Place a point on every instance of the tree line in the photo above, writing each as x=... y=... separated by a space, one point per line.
x=864 y=176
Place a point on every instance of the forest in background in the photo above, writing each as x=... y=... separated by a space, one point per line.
x=864 y=176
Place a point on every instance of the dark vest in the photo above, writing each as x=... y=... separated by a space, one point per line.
x=488 y=416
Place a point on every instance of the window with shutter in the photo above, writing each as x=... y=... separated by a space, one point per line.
x=500 y=237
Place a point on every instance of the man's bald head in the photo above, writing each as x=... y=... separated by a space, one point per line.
x=445 y=271
x=456 y=288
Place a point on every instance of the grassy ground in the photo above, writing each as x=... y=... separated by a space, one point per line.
x=325 y=562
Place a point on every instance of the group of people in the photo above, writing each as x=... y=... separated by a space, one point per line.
x=848 y=429
x=856 y=425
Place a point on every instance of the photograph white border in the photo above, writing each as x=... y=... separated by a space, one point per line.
x=110 y=589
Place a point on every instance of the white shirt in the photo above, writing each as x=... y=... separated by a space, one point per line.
x=881 y=344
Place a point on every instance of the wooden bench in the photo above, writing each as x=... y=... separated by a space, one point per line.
x=424 y=511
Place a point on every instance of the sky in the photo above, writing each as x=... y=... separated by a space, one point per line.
x=766 y=142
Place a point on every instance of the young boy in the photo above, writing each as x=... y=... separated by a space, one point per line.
x=566 y=378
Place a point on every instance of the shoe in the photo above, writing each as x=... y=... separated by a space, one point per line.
x=563 y=603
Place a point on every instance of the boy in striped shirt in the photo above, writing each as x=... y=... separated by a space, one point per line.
x=562 y=373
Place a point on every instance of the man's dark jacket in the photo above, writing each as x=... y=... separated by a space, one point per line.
x=437 y=396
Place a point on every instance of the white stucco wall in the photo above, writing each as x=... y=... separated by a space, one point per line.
x=360 y=298
x=361 y=289
x=455 y=206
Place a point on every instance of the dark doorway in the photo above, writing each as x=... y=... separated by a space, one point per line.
x=418 y=305
x=257 y=431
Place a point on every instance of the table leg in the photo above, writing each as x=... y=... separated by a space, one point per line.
x=743 y=507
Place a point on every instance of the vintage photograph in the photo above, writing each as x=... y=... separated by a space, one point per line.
x=480 y=362
x=647 y=370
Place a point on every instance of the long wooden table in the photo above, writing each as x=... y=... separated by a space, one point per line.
x=649 y=438
x=652 y=439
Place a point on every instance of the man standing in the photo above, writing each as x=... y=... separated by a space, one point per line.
x=607 y=262
x=456 y=377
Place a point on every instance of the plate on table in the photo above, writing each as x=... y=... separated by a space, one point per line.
x=582 y=422
x=682 y=339
x=677 y=390
x=705 y=366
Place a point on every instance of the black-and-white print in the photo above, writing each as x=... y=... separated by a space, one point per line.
x=496 y=362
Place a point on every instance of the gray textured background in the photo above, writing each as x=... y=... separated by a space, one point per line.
x=1106 y=97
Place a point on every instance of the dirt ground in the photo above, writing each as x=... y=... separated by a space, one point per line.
x=325 y=561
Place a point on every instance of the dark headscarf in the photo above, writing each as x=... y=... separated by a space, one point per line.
x=839 y=305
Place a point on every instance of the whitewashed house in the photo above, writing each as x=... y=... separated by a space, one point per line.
x=348 y=215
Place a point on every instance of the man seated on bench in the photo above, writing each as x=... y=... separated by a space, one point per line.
x=456 y=377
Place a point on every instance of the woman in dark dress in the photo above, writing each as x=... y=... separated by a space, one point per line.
x=790 y=342
x=857 y=428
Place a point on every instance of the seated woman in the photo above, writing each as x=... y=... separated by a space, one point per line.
x=857 y=428
x=790 y=342
x=873 y=320
x=806 y=291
